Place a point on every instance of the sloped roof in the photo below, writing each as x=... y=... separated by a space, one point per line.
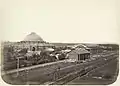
x=79 y=51
x=33 y=37
x=49 y=49
x=91 y=45
x=80 y=46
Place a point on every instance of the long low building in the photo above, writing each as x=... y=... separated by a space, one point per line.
x=79 y=54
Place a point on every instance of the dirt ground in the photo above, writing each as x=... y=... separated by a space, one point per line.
x=110 y=69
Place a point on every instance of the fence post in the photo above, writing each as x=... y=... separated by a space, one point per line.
x=27 y=72
x=54 y=75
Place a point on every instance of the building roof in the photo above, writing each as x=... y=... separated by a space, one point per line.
x=33 y=37
x=79 y=51
x=80 y=46
x=91 y=45
x=49 y=49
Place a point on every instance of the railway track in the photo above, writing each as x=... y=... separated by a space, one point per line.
x=71 y=71
x=81 y=72
x=33 y=67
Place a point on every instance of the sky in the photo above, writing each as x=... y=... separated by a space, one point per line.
x=72 y=21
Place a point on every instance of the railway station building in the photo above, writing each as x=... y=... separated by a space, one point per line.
x=93 y=48
x=79 y=54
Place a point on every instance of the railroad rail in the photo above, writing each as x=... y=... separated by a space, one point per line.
x=80 y=73
x=45 y=65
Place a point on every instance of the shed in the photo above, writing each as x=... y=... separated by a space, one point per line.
x=79 y=54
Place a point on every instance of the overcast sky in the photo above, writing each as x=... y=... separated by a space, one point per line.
x=60 y=20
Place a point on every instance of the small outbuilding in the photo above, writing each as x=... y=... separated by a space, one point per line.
x=79 y=54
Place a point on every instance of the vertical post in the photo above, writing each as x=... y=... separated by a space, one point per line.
x=27 y=72
x=17 y=66
x=58 y=72
x=97 y=51
x=27 y=82
x=54 y=75
x=78 y=57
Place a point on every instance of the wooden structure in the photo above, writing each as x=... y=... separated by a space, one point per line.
x=79 y=54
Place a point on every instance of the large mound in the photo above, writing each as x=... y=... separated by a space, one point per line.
x=33 y=37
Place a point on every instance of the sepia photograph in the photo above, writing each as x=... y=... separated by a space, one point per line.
x=59 y=42
x=35 y=61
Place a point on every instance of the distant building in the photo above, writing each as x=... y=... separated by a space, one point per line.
x=79 y=54
x=93 y=48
